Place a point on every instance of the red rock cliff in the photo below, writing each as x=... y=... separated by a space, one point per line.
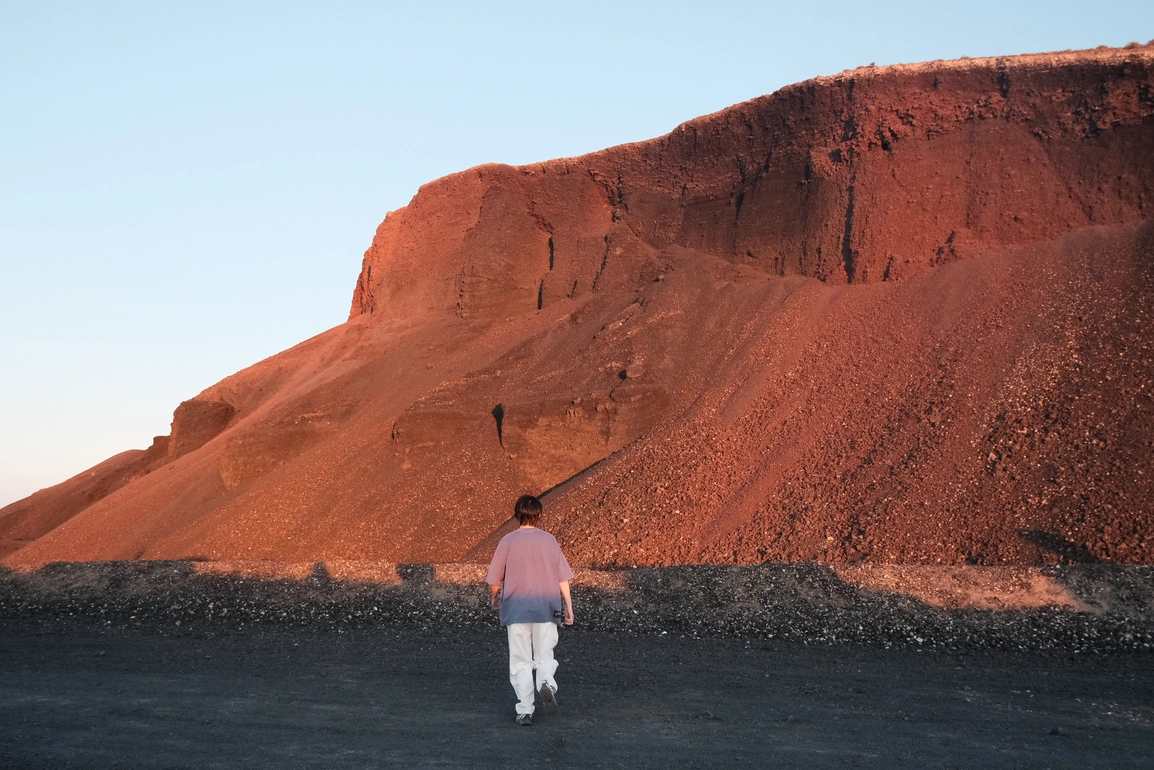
x=871 y=175
x=901 y=314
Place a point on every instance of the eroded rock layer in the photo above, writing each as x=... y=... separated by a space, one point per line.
x=868 y=176
x=901 y=314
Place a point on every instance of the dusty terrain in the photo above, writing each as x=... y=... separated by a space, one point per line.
x=897 y=315
x=178 y=665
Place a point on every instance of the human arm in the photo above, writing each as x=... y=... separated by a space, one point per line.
x=564 y=584
x=496 y=575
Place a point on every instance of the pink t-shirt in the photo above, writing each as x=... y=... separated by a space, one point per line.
x=529 y=567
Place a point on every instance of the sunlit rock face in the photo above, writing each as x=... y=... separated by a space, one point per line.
x=900 y=314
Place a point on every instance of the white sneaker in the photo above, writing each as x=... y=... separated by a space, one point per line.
x=548 y=698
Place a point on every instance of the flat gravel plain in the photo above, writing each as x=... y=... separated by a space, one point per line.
x=77 y=695
x=150 y=666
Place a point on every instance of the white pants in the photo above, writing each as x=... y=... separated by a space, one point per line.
x=531 y=649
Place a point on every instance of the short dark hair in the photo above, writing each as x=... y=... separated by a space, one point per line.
x=527 y=510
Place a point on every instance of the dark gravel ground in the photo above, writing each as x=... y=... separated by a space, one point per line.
x=147 y=665
x=78 y=695
x=806 y=603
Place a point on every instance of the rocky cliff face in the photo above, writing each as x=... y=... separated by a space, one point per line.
x=897 y=315
x=872 y=175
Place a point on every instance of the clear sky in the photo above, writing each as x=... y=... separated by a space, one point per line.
x=187 y=188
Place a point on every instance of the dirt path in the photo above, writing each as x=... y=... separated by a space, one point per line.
x=74 y=695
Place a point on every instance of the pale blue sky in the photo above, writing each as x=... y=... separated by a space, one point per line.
x=186 y=188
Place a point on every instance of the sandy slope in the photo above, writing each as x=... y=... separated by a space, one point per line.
x=898 y=315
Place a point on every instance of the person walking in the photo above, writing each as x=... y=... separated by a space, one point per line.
x=529 y=578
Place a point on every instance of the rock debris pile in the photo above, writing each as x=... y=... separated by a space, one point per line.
x=805 y=604
x=899 y=315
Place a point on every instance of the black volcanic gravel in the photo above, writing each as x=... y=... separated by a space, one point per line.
x=149 y=665
x=803 y=603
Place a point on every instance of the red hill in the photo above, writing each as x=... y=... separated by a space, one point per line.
x=900 y=314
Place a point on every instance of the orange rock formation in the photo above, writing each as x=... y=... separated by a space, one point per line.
x=901 y=314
